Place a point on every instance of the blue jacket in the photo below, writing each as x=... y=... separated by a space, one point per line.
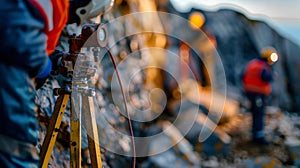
x=22 y=57
x=22 y=37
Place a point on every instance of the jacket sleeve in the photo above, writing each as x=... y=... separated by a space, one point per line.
x=266 y=75
x=24 y=36
x=55 y=15
x=23 y=39
x=60 y=17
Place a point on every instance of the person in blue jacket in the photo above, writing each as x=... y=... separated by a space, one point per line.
x=29 y=30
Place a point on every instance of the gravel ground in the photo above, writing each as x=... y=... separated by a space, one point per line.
x=245 y=153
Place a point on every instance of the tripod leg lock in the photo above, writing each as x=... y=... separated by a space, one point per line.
x=62 y=91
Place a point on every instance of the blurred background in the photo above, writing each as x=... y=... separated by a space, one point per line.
x=181 y=63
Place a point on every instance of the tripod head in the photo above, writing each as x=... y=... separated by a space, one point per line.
x=84 y=53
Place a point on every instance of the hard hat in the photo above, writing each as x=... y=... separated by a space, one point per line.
x=270 y=54
x=197 y=20
x=81 y=10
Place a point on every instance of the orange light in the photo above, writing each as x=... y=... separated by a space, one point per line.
x=196 y=20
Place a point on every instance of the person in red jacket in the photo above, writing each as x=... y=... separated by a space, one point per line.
x=257 y=80
x=29 y=32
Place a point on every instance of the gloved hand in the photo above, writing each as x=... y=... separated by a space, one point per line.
x=42 y=76
x=56 y=57
x=53 y=64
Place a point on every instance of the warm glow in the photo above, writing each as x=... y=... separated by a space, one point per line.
x=274 y=57
x=196 y=20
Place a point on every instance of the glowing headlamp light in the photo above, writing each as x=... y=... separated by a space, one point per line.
x=274 y=57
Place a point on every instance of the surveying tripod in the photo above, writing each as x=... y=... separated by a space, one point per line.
x=86 y=103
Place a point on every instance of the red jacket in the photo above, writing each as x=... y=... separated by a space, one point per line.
x=252 y=79
x=55 y=14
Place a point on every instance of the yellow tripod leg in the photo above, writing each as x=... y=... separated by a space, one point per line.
x=92 y=131
x=75 y=139
x=53 y=128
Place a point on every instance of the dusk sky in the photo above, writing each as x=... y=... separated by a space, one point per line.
x=283 y=15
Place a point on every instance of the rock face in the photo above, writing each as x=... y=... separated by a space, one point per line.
x=240 y=39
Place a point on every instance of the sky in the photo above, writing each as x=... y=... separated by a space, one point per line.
x=283 y=15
